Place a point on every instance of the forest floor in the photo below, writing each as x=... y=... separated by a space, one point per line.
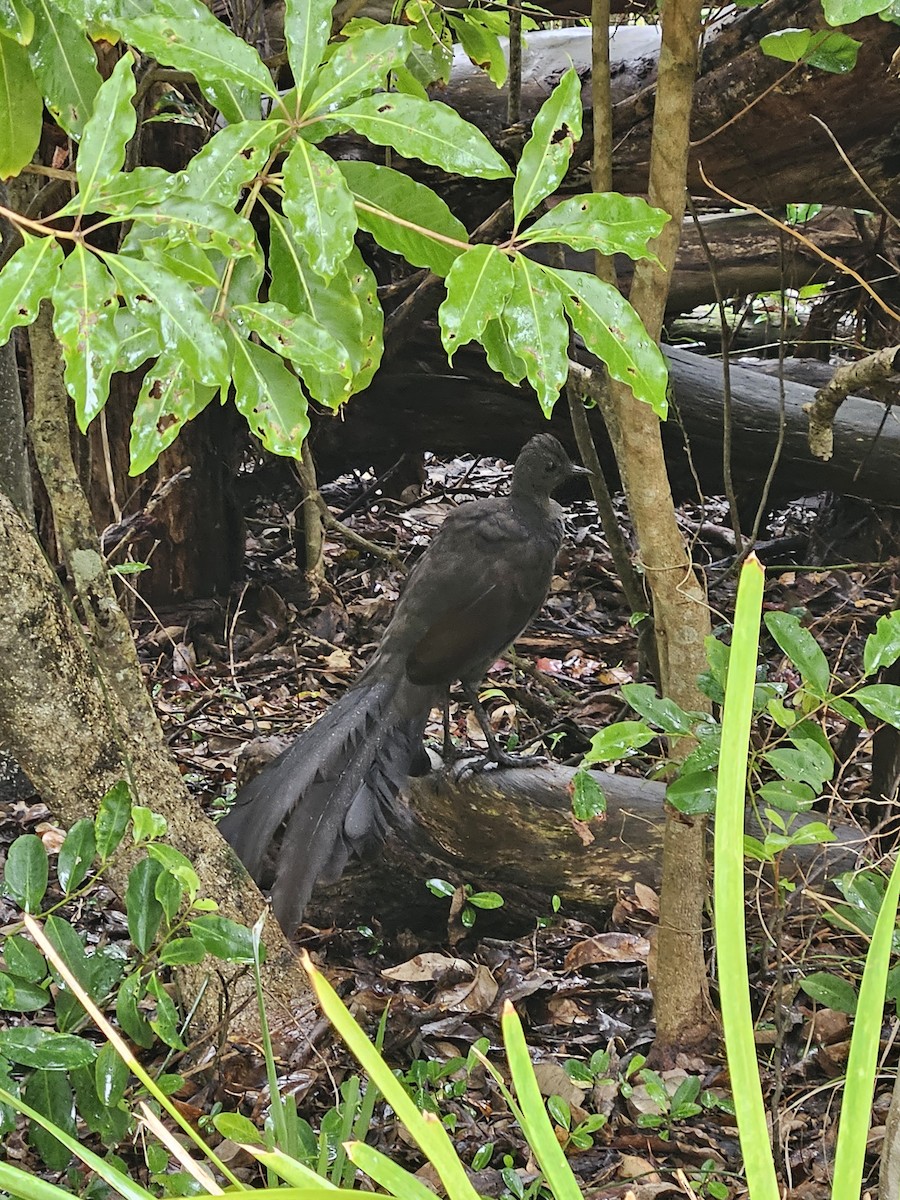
x=264 y=665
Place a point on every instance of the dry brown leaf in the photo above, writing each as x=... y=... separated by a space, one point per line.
x=553 y=1081
x=647 y=898
x=608 y=947
x=424 y=968
x=476 y=995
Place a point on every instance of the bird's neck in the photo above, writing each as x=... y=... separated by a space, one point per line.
x=529 y=497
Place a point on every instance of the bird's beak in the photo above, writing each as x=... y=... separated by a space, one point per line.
x=575 y=469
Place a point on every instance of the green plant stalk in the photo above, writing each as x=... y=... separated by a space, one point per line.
x=22 y=1183
x=731 y=938
x=862 y=1063
x=276 y=1107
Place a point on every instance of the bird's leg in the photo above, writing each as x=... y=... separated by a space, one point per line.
x=449 y=750
x=496 y=754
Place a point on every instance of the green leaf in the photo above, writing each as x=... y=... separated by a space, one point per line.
x=22 y=110
x=789 y=45
x=64 y=65
x=180 y=951
x=206 y=48
x=175 y=863
x=440 y=887
x=122 y=194
x=84 y=307
x=27 y=279
x=229 y=161
x=358 y=66
x=618 y=741
x=165 y=1023
x=319 y=206
x=45 y=1049
x=427 y=130
x=70 y=948
x=169 y=891
x=486 y=900
x=478 y=286
x=204 y=224
x=168 y=399
x=237 y=1128
x=270 y=398
x=137 y=341
x=481 y=45
x=788 y=795
x=24 y=959
x=500 y=355
x=394 y=193
x=611 y=329
x=101 y=154
x=670 y=717
x=588 y=798
x=112 y=818
x=26 y=872
x=223 y=938
x=184 y=325
x=133 y=1022
x=111 y=1075
x=545 y=157
x=534 y=322
x=882 y=648
x=808 y=763
x=831 y=991
x=832 y=52
x=146 y=825
x=802 y=649
x=882 y=700
x=144 y=911
x=847 y=12
x=607 y=222
x=296 y=336
x=21 y=995
x=16 y=21
x=49 y=1093
x=307 y=28
x=693 y=793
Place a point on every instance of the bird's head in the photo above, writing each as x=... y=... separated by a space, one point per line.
x=543 y=465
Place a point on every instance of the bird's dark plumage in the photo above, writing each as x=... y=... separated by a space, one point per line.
x=477 y=586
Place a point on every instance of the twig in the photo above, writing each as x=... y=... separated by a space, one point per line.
x=828 y=399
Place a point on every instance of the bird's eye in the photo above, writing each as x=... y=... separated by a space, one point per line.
x=549 y=465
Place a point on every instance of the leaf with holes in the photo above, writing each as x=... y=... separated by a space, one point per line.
x=319 y=206
x=296 y=336
x=607 y=222
x=85 y=301
x=64 y=65
x=478 y=286
x=26 y=280
x=358 y=66
x=229 y=161
x=545 y=157
x=270 y=397
x=538 y=334
x=168 y=399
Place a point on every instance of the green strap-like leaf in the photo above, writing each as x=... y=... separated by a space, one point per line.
x=121 y=194
x=427 y=130
x=229 y=161
x=65 y=66
x=297 y=337
x=358 y=66
x=164 y=301
x=611 y=329
x=319 y=206
x=26 y=280
x=478 y=287
x=307 y=28
x=205 y=47
x=545 y=158
x=21 y=109
x=168 y=398
x=101 y=154
x=608 y=222
x=538 y=334
x=84 y=308
x=395 y=193
x=201 y=222
x=270 y=397
x=482 y=45
x=16 y=21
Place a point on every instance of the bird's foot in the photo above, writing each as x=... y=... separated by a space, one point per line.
x=497 y=758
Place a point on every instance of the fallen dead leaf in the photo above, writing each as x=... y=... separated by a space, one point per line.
x=608 y=947
x=553 y=1081
x=423 y=968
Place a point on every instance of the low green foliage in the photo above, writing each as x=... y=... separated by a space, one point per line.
x=471 y=900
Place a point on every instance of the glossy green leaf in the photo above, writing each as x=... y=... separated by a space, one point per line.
x=185 y=327
x=112 y=818
x=85 y=302
x=223 y=938
x=146 y=825
x=144 y=910
x=612 y=330
x=296 y=336
x=831 y=991
x=70 y=948
x=319 y=206
x=169 y=892
x=45 y=1049
x=307 y=28
x=131 y=1018
x=538 y=334
x=21 y=995
x=832 y=52
x=670 y=717
x=110 y=1075
x=482 y=45
x=64 y=65
x=357 y=67
x=693 y=793
x=177 y=864
x=203 y=223
x=588 y=798
x=347 y=307
x=392 y=192
x=16 y=21
x=205 y=47
x=101 y=154
x=882 y=700
x=545 y=157
x=137 y=341
x=27 y=279
x=500 y=355
x=181 y=951
x=165 y=1024
x=269 y=396
x=802 y=649
x=478 y=286
x=788 y=795
x=22 y=110
x=806 y=763
x=26 y=872
x=23 y=958
x=846 y=12
x=882 y=648
x=121 y=194
x=229 y=161
x=607 y=222
x=618 y=741
x=427 y=130
x=50 y=1094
